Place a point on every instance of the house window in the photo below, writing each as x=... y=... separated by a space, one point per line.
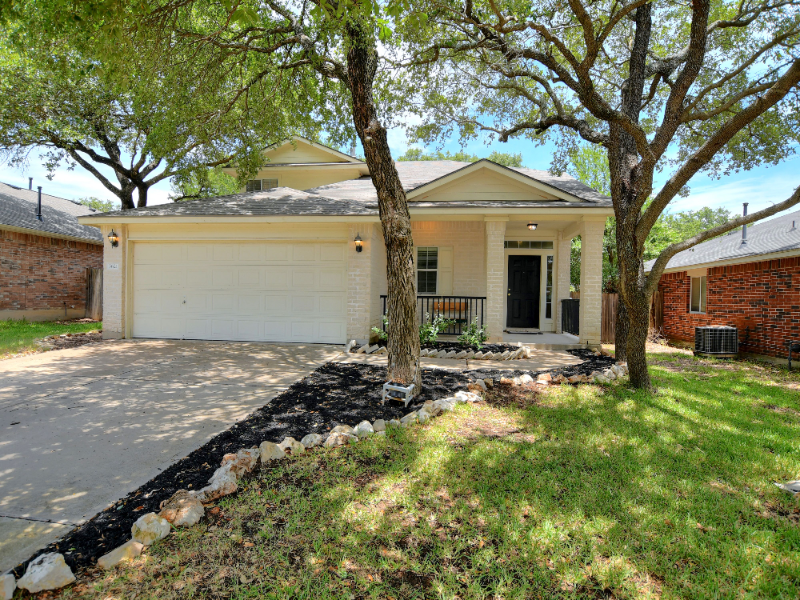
x=548 y=290
x=260 y=185
x=427 y=269
x=527 y=245
x=697 y=295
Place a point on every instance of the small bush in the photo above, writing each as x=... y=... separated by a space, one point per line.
x=381 y=332
x=431 y=328
x=474 y=335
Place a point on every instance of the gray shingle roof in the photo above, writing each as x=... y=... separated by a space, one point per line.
x=354 y=197
x=59 y=215
x=765 y=237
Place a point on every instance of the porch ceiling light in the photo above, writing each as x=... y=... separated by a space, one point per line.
x=113 y=238
x=359 y=243
x=533 y=226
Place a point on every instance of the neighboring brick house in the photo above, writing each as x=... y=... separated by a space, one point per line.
x=752 y=284
x=43 y=261
x=299 y=255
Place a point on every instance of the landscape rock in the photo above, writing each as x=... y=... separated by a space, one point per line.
x=462 y=354
x=291 y=446
x=618 y=371
x=271 y=451
x=525 y=379
x=423 y=353
x=46 y=572
x=489 y=383
x=382 y=350
x=432 y=408
x=182 y=510
x=149 y=528
x=546 y=377
x=363 y=349
x=364 y=429
x=243 y=462
x=470 y=354
x=602 y=379
x=380 y=433
x=312 y=440
x=409 y=418
x=7 y=586
x=506 y=381
x=423 y=415
x=609 y=374
x=560 y=378
x=339 y=439
x=445 y=404
x=395 y=423
x=463 y=396
x=372 y=349
x=343 y=429
x=222 y=483
x=451 y=354
x=128 y=550
x=481 y=384
x=488 y=356
x=379 y=425
x=478 y=355
x=505 y=355
x=350 y=345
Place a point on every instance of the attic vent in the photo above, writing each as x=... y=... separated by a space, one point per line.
x=722 y=342
x=260 y=185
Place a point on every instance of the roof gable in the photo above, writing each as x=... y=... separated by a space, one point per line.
x=299 y=150
x=487 y=180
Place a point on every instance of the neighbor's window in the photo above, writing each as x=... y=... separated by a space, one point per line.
x=260 y=185
x=698 y=295
x=427 y=269
x=548 y=290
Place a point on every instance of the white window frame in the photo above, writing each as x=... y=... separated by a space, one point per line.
x=436 y=270
x=703 y=302
x=261 y=185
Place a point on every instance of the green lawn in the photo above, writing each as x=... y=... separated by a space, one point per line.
x=19 y=336
x=577 y=493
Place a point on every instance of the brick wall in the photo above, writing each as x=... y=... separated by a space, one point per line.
x=38 y=273
x=762 y=296
x=590 y=328
x=495 y=274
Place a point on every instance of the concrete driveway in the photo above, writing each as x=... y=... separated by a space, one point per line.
x=83 y=427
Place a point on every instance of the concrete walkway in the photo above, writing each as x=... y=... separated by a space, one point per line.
x=542 y=360
x=80 y=428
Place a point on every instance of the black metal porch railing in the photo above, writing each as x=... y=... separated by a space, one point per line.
x=570 y=315
x=461 y=309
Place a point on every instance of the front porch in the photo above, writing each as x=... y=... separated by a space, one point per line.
x=512 y=274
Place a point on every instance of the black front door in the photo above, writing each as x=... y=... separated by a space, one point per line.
x=524 y=277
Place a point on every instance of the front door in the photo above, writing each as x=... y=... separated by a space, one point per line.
x=524 y=277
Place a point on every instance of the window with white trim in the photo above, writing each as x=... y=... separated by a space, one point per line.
x=697 y=294
x=427 y=269
x=260 y=185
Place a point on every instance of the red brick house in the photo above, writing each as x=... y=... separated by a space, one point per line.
x=750 y=280
x=44 y=255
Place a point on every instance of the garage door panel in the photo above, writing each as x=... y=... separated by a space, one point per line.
x=259 y=291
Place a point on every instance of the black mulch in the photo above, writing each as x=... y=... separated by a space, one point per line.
x=591 y=363
x=334 y=394
x=439 y=345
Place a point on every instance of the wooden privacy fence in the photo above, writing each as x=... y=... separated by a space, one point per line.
x=94 y=294
x=609 y=315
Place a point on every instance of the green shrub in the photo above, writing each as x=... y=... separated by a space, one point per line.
x=381 y=332
x=431 y=328
x=473 y=335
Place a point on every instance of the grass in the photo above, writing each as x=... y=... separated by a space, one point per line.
x=20 y=335
x=580 y=492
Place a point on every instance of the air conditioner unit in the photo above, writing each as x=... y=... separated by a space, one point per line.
x=722 y=342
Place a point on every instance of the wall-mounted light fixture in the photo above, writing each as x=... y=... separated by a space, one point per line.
x=533 y=226
x=113 y=238
x=359 y=243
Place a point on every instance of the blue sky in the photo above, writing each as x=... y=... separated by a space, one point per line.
x=761 y=187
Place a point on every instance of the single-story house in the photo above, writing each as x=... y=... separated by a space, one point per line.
x=749 y=279
x=44 y=254
x=299 y=256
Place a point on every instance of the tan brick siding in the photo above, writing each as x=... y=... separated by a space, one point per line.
x=359 y=283
x=495 y=277
x=114 y=283
x=591 y=282
x=38 y=272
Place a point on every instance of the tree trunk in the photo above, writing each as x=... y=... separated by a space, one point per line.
x=125 y=196
x=621 y=331
x=639 y=320
x=403 y=333
x=142 y=200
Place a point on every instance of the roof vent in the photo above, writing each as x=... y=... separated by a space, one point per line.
x=744 y=227
x=793 y=227
x=30 y=183
x=39 y=204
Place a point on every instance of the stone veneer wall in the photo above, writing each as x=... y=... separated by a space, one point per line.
x=39 y=274
x=762 y=296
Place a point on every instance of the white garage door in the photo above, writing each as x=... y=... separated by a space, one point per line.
x=260 y=291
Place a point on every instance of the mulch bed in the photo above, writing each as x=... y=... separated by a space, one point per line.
x=73 y=340
x=334 y=394
x=591 y=362
x=459 y=346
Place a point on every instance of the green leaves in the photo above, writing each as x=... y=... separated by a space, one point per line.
x=246 y=16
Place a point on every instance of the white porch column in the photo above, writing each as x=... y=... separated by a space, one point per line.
x=359 y=283
x=495 y=230
x=591 y=282
x=563 y=249
x=115 y=269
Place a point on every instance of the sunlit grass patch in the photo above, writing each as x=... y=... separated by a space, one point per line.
x=582 y=492
x=20 y=336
